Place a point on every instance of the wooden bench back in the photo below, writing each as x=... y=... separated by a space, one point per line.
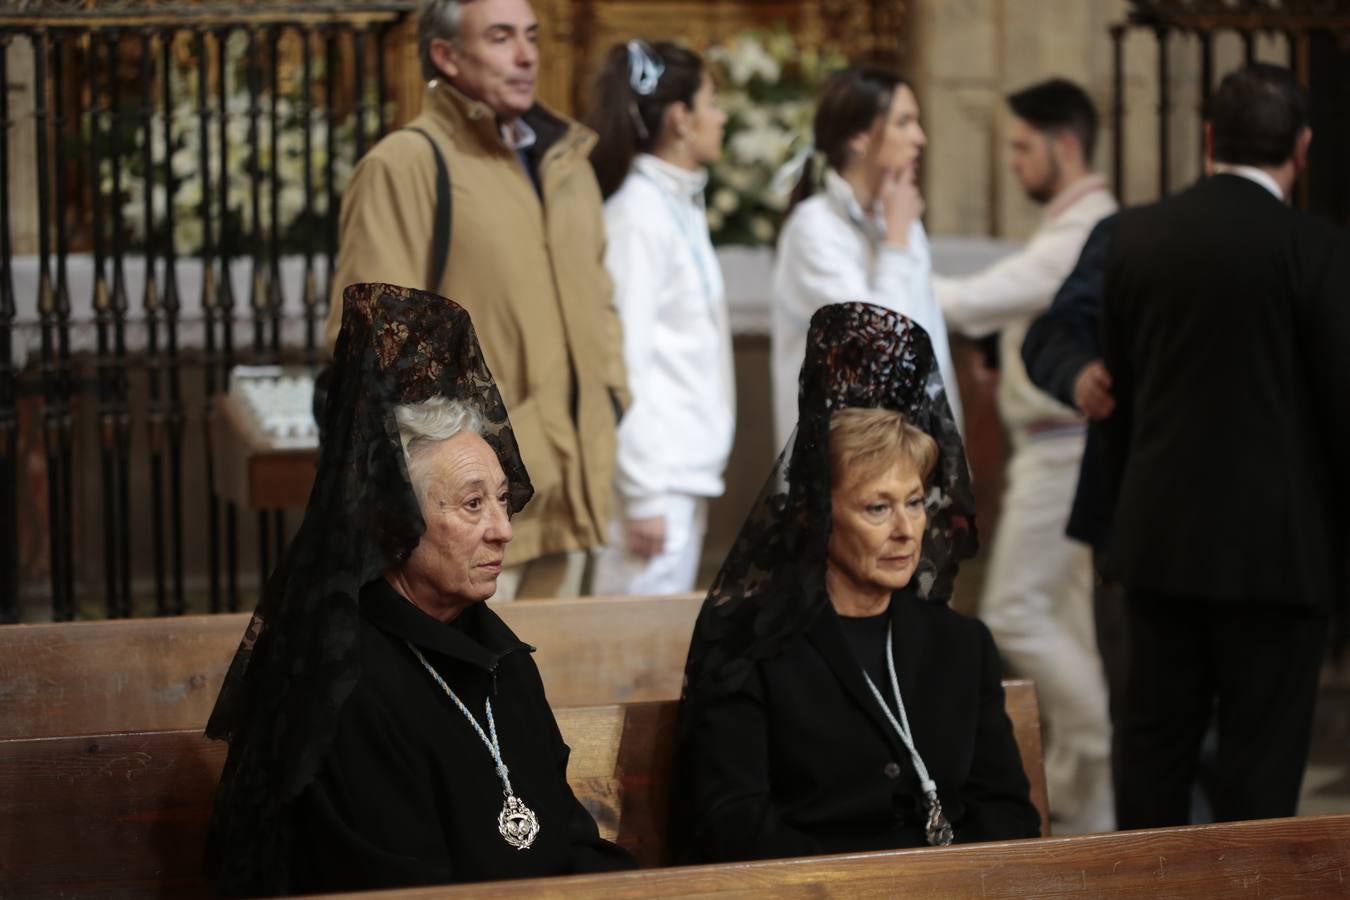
x=1287 y=858
x=126 y=814
x=164 y=674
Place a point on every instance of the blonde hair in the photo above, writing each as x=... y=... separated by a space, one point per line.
x=865 y=443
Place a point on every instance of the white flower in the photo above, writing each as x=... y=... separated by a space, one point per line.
x=767 y=146
x=762 y=229
x=187 y=235
x=725 y=201
x=290 y=203
x=189 y=194
x=184 y=162
x=747 y=59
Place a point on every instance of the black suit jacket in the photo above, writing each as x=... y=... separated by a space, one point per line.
x=1058 y=344
x=1227 y=334
x=799 y=759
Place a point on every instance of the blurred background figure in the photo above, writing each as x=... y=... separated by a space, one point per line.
x=1037 y=596
x=524 y=257
x=655 y=111
x=859 y=237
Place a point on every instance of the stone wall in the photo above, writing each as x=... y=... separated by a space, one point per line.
x=966 y=55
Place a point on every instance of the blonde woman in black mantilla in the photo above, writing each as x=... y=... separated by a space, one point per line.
x=833 y=702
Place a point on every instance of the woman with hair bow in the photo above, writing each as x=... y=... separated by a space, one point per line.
x=655 y=111
x=856 y=233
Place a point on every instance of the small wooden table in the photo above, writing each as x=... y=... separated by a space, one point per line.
x=249 y=470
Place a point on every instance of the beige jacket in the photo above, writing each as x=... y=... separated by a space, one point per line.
x=530 y=274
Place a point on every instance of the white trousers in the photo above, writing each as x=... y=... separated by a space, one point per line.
x=673 y=571
x=1037 y=601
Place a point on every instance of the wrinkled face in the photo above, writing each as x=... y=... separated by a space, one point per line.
x=464 y=501
x=877 y=529
x=495 y=59
x=897 y=140
x=1031 y=156
x=707 y=124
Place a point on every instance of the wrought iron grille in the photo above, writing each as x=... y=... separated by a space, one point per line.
x=173 y=144
x=1315 y=35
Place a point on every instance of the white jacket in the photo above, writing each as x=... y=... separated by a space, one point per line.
x=676 y=436
x=830 y=252
x=1009 y=294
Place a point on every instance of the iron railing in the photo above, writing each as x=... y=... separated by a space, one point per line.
x=1315 y=39
x=171 y=142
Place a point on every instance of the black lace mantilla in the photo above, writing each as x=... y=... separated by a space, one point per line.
x=298 y=661
x=773 y=581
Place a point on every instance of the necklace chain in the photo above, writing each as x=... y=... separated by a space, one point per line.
x=938 y=831
x=493 y=745
x=516 y=823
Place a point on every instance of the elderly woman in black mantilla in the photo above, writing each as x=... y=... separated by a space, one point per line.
x=386 y=728
x=833 y=702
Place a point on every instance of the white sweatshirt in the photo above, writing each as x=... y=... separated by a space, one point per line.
x=830 y=252
x=676 y=436
x=1006 y=297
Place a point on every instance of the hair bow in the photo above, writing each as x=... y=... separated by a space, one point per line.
x=645 y=68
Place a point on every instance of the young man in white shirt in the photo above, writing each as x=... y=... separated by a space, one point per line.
x=1037 y=597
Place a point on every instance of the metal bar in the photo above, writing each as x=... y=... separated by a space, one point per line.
x=311 y=292
x=1206 y=89
x=102 y=303
x=330 y=154
x=1249 y=46
x=359 y=90
x=1118 y=111
x=258 y=282
x=264 y=549
x=235 y=15
x=1164 y=111
x=1300 y=61
x=209 y=301
x=120 y=305
x=275 y=300
x=9 y=412
x=63 y=562
x=150 y=304
x=226 y=311
x=175 y=416
x=52 y=395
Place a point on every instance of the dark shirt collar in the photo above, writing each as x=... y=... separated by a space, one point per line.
x=478 y=637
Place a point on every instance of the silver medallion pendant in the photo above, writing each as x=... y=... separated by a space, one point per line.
x=939 y=830
x=517 y=823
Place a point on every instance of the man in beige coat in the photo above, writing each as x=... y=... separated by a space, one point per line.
x=526 y=259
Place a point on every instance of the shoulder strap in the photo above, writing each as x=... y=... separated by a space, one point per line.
x=445 y=208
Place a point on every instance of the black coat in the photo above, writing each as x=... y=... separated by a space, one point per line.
x=1227 y=334
x=1059 y=343
x=408 y=793
x=800 y=760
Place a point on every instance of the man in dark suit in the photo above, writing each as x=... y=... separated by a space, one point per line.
x=1226 y=331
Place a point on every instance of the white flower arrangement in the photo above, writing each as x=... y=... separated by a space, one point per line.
x=185 y=179
x=767 y=84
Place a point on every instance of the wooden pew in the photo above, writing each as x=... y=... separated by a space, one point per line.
x=126 y=814
x=1286 y=858
x=164 y=674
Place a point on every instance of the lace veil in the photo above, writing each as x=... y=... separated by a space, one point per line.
x=772 y=584
x=298 y=661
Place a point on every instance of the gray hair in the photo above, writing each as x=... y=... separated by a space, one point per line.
x=423 y=425
x=437 y=19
